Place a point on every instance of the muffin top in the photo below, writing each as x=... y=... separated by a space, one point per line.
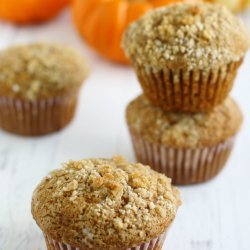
x=104 y=204
x=41 y=70
x=186 y=36
x=184 y=130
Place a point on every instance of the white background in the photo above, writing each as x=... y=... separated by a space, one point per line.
x=214 y=216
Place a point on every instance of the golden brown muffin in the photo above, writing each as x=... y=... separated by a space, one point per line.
x=190 y=148
x=105 y=204
x=39 y=85
x=186 y=55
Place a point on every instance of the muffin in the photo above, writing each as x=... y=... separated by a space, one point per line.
x=186 y=56
x=105 y=204
x=39 y=86
x=189 y=148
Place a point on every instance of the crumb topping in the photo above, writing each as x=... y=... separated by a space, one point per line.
x=183 y=130
x=40 y=70
x=105 y=204
x=186 y=36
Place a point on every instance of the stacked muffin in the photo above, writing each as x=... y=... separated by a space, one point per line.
x=186 y=57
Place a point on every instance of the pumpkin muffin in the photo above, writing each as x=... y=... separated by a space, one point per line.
x=39 y=86
x=105 y=204
x=189 y=148
x=186 y=55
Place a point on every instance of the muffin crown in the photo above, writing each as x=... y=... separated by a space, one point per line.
x=40 y=71
x=186 y=36
x=184 y=130
x=104 y=204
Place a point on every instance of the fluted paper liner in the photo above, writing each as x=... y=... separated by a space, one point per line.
x=187 y=91
x=155 y=244
x=36 y=117
x=184 y=166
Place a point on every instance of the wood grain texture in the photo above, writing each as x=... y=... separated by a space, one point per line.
x=214 y=216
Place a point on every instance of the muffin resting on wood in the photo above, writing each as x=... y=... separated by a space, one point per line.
x=39 y=85
x=105 y=204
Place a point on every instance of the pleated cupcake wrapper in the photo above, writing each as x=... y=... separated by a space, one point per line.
x=190 y=91
x=155 y=244
x=36 y=117
x=183 y=166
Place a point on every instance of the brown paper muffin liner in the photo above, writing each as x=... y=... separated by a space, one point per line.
x=36 y=117
x=184 y=166
x=155 y=244
x=190 y=91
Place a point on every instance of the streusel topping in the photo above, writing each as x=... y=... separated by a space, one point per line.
x=105 y=204
x=184 y=130
x=40 y=70
x=186 y=36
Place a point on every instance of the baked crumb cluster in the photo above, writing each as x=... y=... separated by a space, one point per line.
x=186 y=36
x=182 y=130
x=40 y=70
x=104 y=203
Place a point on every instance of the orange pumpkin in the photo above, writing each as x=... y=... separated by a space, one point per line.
x=29 y=11
x=102 y=22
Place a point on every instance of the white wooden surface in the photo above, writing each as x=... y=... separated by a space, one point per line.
x=214 y=216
